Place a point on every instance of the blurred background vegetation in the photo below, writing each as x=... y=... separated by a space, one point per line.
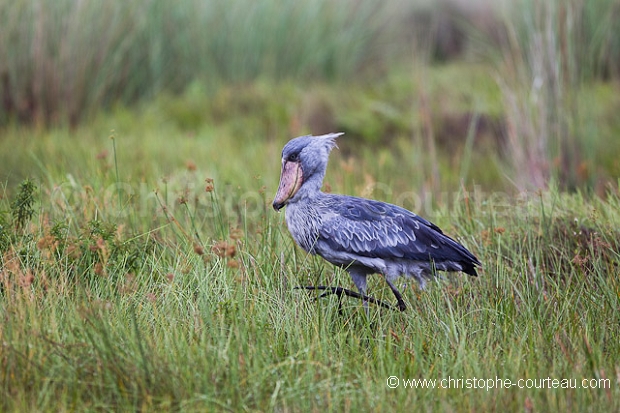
x=507 y=94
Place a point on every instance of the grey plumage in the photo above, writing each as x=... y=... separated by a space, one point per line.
x=360 y=235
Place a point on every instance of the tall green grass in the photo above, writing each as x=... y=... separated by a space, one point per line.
x=60 y=60
x=177 y=292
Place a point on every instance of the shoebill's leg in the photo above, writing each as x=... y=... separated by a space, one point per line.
x=401 y=303
x=359 y=279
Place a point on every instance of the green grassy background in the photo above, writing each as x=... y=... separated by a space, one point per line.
x=142 y=267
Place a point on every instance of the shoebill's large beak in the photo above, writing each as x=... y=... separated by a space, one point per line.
x=291 y=179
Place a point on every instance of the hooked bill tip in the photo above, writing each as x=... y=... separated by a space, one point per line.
x=277 y=206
